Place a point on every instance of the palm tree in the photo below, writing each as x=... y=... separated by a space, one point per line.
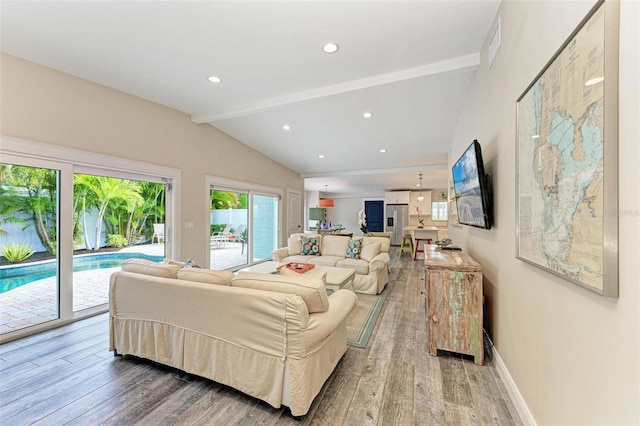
x=100 y=191
x=34 y=193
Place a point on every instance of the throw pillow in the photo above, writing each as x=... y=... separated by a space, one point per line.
x=208 y=276
x=354 y=248
x=310 y=246
x=369 y=251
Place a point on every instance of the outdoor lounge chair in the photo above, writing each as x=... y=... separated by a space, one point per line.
x=219 y=239
x=236 y=235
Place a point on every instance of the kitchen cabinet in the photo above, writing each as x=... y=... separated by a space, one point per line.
x=454 y=303
x=415 y=205
x=396 y=197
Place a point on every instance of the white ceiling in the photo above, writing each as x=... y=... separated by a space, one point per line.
x=409 y=63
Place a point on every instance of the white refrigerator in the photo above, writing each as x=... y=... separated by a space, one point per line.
x=397 y=219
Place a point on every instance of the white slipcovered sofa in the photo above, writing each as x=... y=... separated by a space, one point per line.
x=276 y=338
x=371 y=265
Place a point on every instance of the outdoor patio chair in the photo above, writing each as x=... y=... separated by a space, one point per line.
x=219 y=239
x=236 y=235
x=158 y=232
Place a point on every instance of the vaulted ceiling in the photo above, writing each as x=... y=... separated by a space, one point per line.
x=408 y=63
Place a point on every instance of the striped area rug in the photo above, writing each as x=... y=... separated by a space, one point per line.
x=362 y=319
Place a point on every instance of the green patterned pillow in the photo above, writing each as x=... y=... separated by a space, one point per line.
x=310 y=246
x=354 y=248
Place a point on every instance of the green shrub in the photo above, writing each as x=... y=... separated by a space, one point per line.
x=217 y=227
x=17 y=252
x=116 y=240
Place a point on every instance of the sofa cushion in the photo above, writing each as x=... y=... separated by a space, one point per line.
x=360 y=266
x=353 y=249
x=310 y=246
x=325 y=260
x=147 y=267
x=208 y=276
x=385 y=243
x=335 y=245
x=311 y=289
x=369 y=251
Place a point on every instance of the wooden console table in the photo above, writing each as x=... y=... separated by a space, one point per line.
x=454 y=303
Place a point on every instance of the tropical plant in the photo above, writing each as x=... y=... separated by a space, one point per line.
x=222 y=200
x=17 y=252
x=116 y=240
x=8 y=209
x=100 y=192
x=35 y=194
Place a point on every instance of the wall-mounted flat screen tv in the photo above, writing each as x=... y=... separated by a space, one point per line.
x=473 y=188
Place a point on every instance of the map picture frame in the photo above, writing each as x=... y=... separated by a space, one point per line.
x=566 y=158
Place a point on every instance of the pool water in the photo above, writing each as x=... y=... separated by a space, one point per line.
x=15 y=276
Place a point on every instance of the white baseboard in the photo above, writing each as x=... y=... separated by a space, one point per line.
x=512 y=389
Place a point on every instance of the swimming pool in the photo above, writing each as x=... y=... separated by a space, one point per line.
x=15 y=276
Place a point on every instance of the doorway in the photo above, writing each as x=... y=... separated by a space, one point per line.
x=374 y=211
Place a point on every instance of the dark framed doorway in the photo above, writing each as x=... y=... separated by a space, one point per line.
x=374 y=210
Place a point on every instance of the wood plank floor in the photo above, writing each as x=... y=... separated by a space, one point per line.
x=67 y=376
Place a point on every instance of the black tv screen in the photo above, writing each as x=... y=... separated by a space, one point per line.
x=472 y=188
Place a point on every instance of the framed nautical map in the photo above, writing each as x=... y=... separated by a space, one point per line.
x=566 y=161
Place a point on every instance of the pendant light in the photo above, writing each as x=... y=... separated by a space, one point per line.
x=325 y=202
x=420 y=197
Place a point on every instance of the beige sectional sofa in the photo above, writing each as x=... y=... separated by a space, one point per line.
x=276 y=338
x=371 y=265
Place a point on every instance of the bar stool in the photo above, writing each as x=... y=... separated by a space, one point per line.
x=417 y=249
x=406 y=247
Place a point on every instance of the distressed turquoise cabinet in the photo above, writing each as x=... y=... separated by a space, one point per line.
x=454 y=303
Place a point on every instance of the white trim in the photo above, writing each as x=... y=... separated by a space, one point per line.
x=512 y=390
x=217 y=181
x=81 y=159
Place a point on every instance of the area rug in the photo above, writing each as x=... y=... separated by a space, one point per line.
x=362 y=319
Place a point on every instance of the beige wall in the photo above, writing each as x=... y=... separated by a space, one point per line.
x=45 y=105
x=573 y=355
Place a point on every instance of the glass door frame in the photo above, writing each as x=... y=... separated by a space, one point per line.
x=64 y=224
x=69 y=161
x=225 y=184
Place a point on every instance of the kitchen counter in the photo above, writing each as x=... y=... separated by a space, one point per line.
x=428 y=232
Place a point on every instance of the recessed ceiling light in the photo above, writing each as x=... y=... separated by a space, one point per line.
x=286 y=127
x=418 y=185
x=535 y=136
x=214 y=79
x=321 y=156
x=383 y=150
x=330 y=48
x=367 y=114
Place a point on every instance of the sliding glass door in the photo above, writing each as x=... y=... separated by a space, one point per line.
x=229 y=229
x=114 y=219
x=29 y=243
x=264 y=227
x=244 y=223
